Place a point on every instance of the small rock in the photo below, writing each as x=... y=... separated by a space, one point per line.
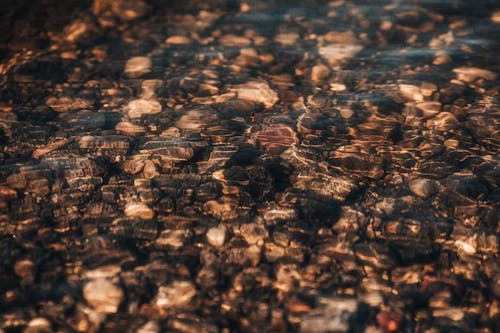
x=287 y=39
x=38 y=325
x=149 y=88
x=178 y=40
x=24 y=268
x=216 y=236
x=253 y=233
x=334 y=54
x=319 y=73
x=139 y=210
x=173 y=238
x=495 y=17
x=258 y=92
x=103 y=295
x=178 y=294
x=470 y=74
x=333 y=315
x=151 y=326
x=138 y=66
x=233 y=40
x=130 y=128
x=422 y=187
x=140 y=107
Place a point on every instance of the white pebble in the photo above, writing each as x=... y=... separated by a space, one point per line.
x=103 y=295
x=216 y=236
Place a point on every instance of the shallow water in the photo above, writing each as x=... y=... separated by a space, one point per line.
x=230 y=166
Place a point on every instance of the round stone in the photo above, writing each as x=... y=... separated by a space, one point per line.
x=216 y=236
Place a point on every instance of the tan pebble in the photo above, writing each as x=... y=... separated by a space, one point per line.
x=138 y=66
x=287 y=38
x=216 y=236
x=470 y=74
x=177 y=294
x=319 y=73
x=140 y=107
x=151 y=326
x=130 y=128
x=495 y=17
x=411 y=92
x=139 y=210
x=422 y=187
x=103 y=295
x=24 y=268
x=38 y=325
x=178 y=40
x=233 y=40
x=258 y=92
x=334 y=54
x=441 y=58
x=337 y=87
x=50 y=148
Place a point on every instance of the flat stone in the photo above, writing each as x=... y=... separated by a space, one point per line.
x=130 y=128
x=335 y=54
x=178 y=40
x=470 y=74
x=138 y=66
x=139 y=210
x=233 y=40
x=139 y=107
x=257 y=92
x=287 y=39
x=38 y=325
x=103 y=295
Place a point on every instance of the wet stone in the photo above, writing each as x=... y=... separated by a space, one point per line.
x=422 y=187
x=139 y=107
x=103 y=295
x=176 y=295
x=258 y=92
x=284 y=166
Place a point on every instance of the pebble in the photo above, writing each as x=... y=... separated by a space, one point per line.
x=139 y=210
x=333 y=315
x=176 y=295
x=130 y=128
x=253 y=233
x=139 y=107
x=151 y=326
x=178 y=40
x=258 y=92
x=335 y=54
x=495 y=17
x=173 y=238
x=24 y=268
x=233 y=40
x=137 y=66
x=320 y=73
x=103 y=295
x=287 y=39
x=38 y=325
x=216 y=236
x=470 y=74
